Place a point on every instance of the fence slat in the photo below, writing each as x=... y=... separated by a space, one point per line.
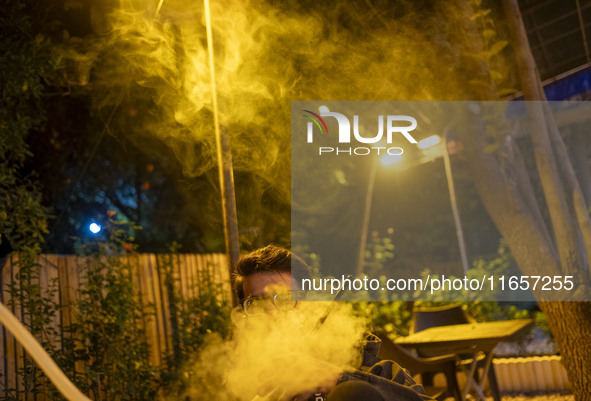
x=3 y=264
x=150 y=324
x=49 y=280
x=163 y=261
x=156 y=287
x=17 y=347
x=183 y=282
x=9 y=342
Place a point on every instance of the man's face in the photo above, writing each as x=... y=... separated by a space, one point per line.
x=260 y=284
x=267 y=292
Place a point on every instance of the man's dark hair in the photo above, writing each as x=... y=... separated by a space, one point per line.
x=271 y=258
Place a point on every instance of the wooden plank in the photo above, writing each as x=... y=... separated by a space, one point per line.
x=74 y=267
x=64 y=295
x=49 y=280
x=222 y=276
x=3 y=340
x=210 y=272
x=138 y=292
x=194 y=286
x=164 y=263
x=176 y=272
x=132 y=262
x=199 y=262
x=3 y=265
x=182 y=287
x=48 y=291
x=176 y=296
x=66 y=299
x=189 y=276
x=155 y=294
x=104 y=262
x=10 y=362
x=217 y=269
x=148 y=302
x=183 y=294
x=209 y=269
x=17 y=309
x=72 y=282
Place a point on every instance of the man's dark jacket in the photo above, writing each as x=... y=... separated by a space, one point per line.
x=394 y=382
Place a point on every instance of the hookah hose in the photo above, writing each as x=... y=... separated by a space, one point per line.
x=36 y=351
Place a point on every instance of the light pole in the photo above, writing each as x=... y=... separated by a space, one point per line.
x=366 y=215
x=433 y=147
x=454 y=205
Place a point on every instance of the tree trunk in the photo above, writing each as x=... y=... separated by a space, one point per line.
x=581 y=163
x=570 y=322
x=562 y=220
x=503 y=184
x=571 y=325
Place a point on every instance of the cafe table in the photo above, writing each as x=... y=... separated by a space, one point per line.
x=473 y=339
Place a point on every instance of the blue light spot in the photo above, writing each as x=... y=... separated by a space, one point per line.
x=94 y=228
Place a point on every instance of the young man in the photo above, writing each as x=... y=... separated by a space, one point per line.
x=375 y=380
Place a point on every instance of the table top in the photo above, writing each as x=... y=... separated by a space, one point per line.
x=467 y=337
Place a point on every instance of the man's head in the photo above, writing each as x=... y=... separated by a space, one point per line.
x=268 y=266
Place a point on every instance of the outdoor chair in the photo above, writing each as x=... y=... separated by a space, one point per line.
x=445 y=364
x=423 y=318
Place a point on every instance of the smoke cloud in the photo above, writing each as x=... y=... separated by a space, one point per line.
x=267 y=54
x=279 y=353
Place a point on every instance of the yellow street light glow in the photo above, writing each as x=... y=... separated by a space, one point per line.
x=428 y=142
x=387 y=159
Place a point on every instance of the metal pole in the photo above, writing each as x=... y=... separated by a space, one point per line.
x=224 y=157
x=366 y=215
x=454 y=205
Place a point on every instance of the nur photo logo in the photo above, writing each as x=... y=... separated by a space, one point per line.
x=390 y=125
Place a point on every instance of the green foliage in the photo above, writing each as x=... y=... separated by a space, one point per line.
x=38 y=310
x=25 y=64
x=394 y=317
x=492 y=49
x=108 y=334
x=495 y=267
x=480 y=308
x=193 y=320
x=379 y=250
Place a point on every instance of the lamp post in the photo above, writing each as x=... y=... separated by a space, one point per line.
x=366 y=215
x=224 y=159
x=433 y=147
x=454 y=205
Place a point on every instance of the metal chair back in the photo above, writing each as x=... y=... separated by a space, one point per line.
x=424 y=318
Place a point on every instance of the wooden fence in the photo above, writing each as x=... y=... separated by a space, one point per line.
x=149 y=272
